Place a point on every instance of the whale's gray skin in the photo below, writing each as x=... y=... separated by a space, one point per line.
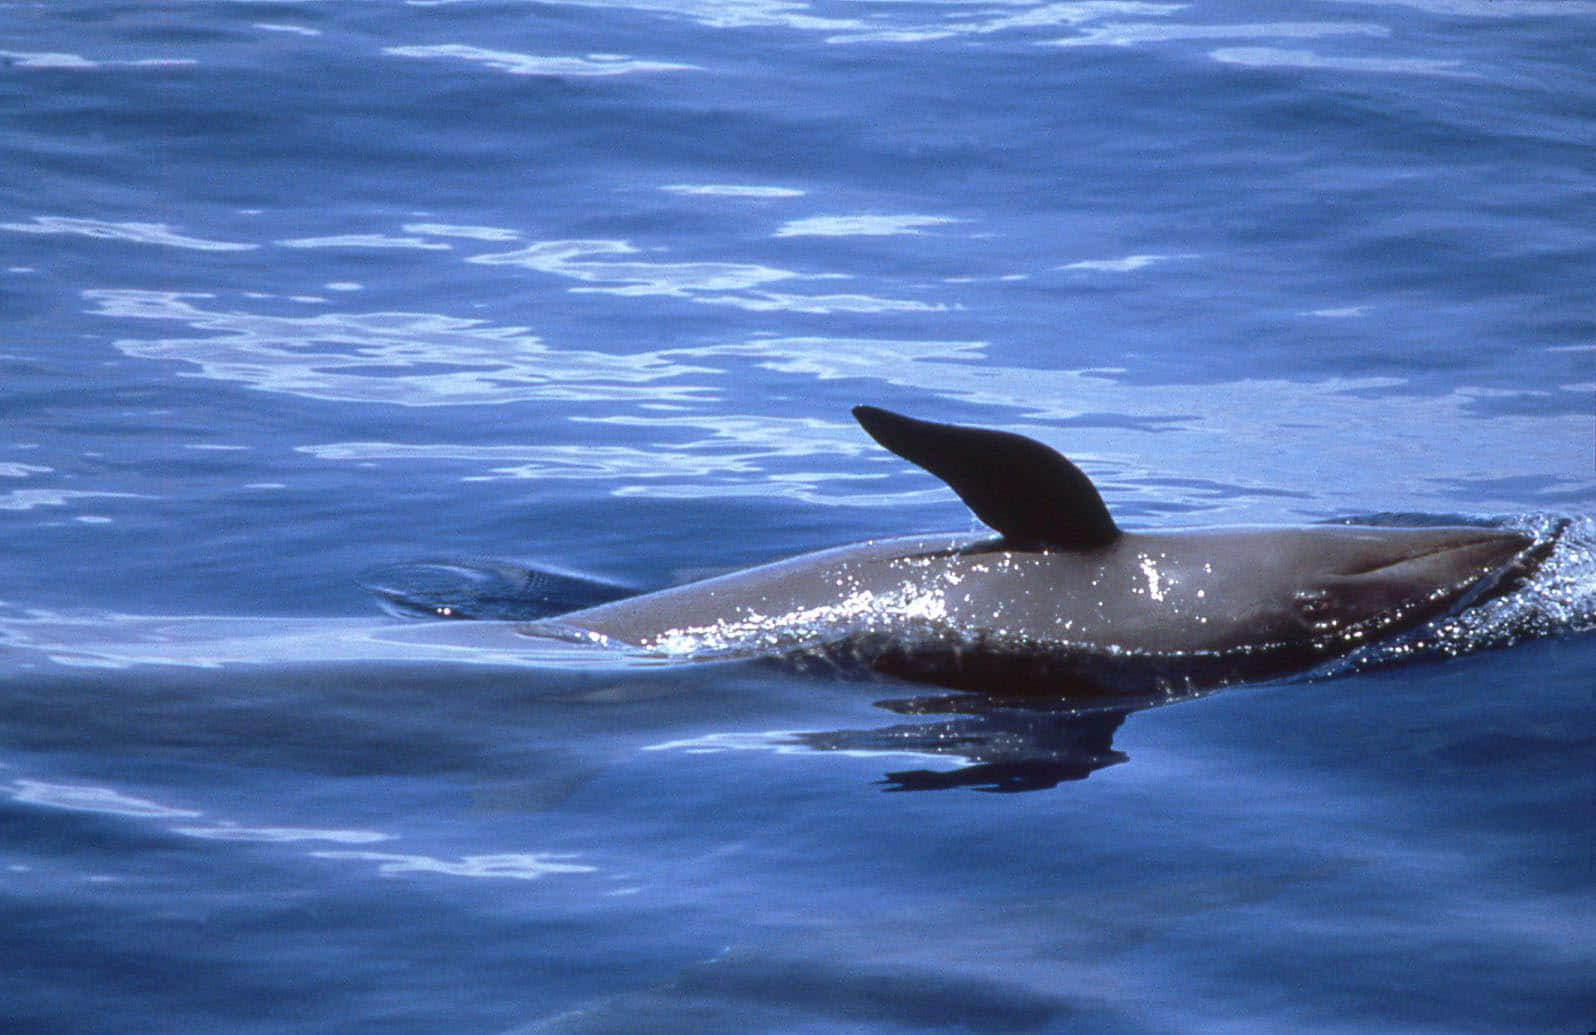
x=1064 y=601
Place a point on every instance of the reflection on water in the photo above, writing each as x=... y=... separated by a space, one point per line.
x=139 y=233
x=1003 y=747
x=1280 y=57
x=752 y=989
x=76 y=798
x=531 y=64
x=111 y=802
x=407 y=359
x=594 y=266
x=281 y=835
x=515 y=866
x=419 y=360
x=993 y=744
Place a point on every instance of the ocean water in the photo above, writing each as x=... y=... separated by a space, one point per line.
x=295 y=292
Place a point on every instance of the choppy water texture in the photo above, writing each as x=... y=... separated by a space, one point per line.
x=295 y=293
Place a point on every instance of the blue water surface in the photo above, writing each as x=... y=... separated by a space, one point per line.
x=295 y=292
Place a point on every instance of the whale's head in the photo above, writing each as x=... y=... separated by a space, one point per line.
x=1331 y=587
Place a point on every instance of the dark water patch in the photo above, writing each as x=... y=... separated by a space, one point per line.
x=1504 y=748
x=744 y=990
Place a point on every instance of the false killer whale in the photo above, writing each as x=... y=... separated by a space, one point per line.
x=1062 y=601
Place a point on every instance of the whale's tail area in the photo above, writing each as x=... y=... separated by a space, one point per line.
x=490 y=590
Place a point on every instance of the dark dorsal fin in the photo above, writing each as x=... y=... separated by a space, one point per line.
x=1023 y=489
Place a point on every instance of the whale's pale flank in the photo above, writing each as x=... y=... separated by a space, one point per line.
x=1061 y=599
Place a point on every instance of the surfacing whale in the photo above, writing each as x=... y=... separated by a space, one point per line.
x=1062 y=601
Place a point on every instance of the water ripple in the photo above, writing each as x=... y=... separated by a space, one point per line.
x=529 y=64
x=590 y=262
x=10 y=470
x=594 y=265
x=1272 y=57
x=1128 y=264
x=1488 y=8
x=473 y=233
x=107 y=801
x=732 y=14
x=512 y=865
x=407 y=359
x=425 y=359
x=1119 y=34
x=297 y=30
x=364 y=241
x=860 y=226
x=729 y=456
x=731 y=190
x=81 y=798
x=282 y=835
x=139 y=233
x=28 y=499
x=75 y=62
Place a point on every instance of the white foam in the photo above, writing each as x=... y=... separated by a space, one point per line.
x=1557 y=598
